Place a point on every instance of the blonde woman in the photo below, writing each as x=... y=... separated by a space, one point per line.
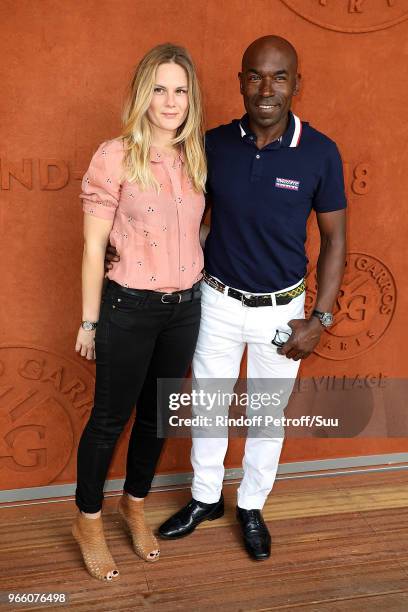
x=143 y=192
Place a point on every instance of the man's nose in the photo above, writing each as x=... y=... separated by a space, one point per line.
x=266 y=88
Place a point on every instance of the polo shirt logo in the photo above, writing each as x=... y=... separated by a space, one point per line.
x=287 y=184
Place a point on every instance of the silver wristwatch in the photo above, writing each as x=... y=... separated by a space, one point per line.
x=325 y=318
x=88 y=325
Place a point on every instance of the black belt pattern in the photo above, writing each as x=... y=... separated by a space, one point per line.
x=281 y=297
x=186 y=295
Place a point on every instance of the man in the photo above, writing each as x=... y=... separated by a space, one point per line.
x=265 y=174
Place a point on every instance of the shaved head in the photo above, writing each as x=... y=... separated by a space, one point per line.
x=268 y=80
x=267 y=43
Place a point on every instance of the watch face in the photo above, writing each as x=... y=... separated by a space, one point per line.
x=327 y=319
x=87 y=326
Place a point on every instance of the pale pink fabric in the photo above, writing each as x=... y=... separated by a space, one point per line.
x=156 y=234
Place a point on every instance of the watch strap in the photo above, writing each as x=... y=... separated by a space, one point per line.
x=89 y=325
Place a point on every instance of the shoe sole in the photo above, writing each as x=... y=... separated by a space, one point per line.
x=212 y=517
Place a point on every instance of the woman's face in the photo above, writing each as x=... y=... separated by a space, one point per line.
x=169 y=106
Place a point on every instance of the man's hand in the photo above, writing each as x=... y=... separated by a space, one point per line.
x=305 y=335
x=110 y=256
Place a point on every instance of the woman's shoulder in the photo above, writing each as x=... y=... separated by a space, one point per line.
x=113 y=148
x=108 y=159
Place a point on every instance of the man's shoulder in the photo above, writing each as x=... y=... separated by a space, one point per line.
x=315 y=138
x=222 y=130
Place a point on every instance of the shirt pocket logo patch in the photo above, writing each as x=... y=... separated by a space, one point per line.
x=291 y=184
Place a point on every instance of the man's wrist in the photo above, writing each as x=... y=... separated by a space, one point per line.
x=314 y=321
x=325 y=318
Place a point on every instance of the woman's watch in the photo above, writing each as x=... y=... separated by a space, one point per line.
x=89 y=325
x=325 y=318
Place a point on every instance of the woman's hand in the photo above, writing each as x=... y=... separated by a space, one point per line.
x=85 y=344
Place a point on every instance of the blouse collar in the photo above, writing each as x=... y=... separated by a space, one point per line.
x=157 y=155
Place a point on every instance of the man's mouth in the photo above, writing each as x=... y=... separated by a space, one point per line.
x=268 y=106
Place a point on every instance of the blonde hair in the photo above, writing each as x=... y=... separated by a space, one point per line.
x=137 y=133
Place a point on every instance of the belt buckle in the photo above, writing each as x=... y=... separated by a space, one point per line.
x=213 y=283
x=249 y=298
x=171 y=295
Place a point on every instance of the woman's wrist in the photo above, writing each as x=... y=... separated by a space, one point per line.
x=89 y=325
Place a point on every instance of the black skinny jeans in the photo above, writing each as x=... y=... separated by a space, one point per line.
x=137 y=341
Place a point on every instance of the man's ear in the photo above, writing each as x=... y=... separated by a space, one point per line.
x=298 y=78
x=240 y=77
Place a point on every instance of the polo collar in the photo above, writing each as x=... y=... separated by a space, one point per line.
x=290 y=138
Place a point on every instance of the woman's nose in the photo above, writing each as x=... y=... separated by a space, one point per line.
x=171 y=101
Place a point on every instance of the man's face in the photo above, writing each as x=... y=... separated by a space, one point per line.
x=268 y=82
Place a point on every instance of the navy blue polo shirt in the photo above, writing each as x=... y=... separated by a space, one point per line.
x=261 y=200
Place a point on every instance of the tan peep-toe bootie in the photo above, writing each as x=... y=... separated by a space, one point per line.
x=144 y=543
x=88 y=532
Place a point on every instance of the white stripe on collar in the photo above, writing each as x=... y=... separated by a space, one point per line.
x=296 y=134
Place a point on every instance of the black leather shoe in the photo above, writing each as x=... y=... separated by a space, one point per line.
x=257 y=538
x=186 y=520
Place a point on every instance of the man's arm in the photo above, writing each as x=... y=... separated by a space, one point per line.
x=204 y=231
x=332 y=258
x=204 y=227
x=330 y=270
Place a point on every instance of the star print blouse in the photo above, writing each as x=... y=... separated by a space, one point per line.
x=156 y=234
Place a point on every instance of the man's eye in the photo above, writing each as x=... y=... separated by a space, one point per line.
x=281 y=78
x=253 y=77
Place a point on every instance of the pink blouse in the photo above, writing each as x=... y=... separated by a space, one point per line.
x=156 y=234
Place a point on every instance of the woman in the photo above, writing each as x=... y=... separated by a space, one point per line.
x=143 y=192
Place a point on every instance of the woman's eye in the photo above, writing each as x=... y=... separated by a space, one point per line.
x=181 y=91
x=158 y=90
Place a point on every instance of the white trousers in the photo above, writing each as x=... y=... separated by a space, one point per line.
x=226 y=328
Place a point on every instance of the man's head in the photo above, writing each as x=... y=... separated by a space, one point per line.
x=268 y=80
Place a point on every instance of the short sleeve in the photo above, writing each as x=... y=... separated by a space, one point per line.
x=330 y=195
x=101 y=183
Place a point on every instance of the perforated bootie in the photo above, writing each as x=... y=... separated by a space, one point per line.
x=88 y=532
x=144 y=543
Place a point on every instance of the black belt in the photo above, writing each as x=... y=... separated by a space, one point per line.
x=186 y=295
x=281 y=297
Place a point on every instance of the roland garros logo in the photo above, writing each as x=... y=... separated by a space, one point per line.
x=351 y=16
x=363 y=311
x=45 y=400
